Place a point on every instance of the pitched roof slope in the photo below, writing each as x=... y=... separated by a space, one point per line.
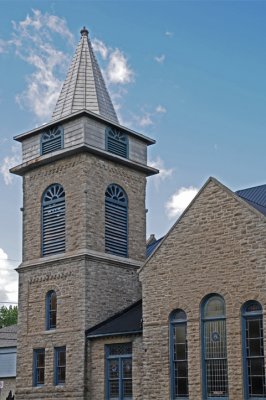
x=8 y=336
x=255 y=196
x=84 y=87
x=127 y=321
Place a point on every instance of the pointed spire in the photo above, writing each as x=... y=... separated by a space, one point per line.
x=84 y=87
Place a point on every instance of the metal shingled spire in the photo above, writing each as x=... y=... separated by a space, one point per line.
x=84 y=87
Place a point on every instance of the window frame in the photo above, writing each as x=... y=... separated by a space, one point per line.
x=52 y=131
x=120 y=358
x=173 y=322
x=114 y=131
x=245 y=316
x=45 y=228
x=203 y=321
x=48 y=310
x=58 y=350
x=109 y=231
x=36 y=353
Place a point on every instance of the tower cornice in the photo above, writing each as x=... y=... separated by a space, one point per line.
x=60 y=154
x=89 y=114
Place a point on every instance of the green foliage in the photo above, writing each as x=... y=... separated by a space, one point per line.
x=8 y=316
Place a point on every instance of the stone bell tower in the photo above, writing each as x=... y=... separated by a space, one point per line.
x=84 y=179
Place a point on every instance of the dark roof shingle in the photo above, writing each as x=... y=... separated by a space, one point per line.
x=255 y=196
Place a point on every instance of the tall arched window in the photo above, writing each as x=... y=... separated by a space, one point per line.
x=116 y=231
x=178 y=355
x=253 y=351
x=51 y=310
x=215 y=380
x=53 y=220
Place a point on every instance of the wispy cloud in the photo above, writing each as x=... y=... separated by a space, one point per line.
x=164 y=174
x=180 y=200
x=169 y=34
x=9 y=162
x=8 y=279
x=3 y=46
x=144 y=120
x=160 y=59
x=100 y=47
x=147 y=118
x=160 y=109
x=33 y=39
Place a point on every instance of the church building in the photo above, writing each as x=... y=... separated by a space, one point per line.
x=102 y=316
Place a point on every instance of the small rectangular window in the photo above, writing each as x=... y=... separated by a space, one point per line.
x=60 y=366
x=38 y=367
x=119 y=371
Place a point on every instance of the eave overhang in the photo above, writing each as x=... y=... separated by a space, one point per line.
x=60 y=154
x=82 y=113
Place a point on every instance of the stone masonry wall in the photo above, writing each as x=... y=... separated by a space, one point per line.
x=85 y=178
x=96 y=366
x=218 y=246
x=110 y=287
x=67 y=278
x=9 y=384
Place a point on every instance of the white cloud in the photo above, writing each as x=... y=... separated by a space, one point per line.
x=34 y=43
x=8 y=279
x=145 y=120
x=160 y=109
x=3 y=45
x=100 y=47
x=164 y=174
x=169 y=34
x=180 y=200
x=160 y=59
x=9 y=162
x=118 y=71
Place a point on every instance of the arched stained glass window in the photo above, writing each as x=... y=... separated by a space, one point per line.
x=215 y=379
x=178 y=355
x=116 y=142
x=116 y=215
x=52 y=140
x=51 y=310
x=53 y=220
x=253 y=351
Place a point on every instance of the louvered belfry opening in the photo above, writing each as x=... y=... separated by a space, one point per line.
x=116 y=142
x=53 y=220
x=52 y=140
x=116 y=216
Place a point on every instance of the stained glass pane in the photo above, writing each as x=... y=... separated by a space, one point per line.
x=180 y=364
x=214 y=307
x=255 y=356
x=119 y=371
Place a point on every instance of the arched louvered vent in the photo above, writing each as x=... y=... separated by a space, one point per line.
x=116 y=142
x=116 y=221
x=53 y=220
x=52 y=140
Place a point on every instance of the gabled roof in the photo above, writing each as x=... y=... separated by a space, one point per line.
x=127 y=321
x=152 y=246
x=84 y=87
x=8 y=336
x=255 y=196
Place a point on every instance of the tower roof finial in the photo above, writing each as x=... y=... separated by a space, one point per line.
x=84 y=31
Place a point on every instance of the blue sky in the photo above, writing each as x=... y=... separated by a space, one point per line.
x=190 y=74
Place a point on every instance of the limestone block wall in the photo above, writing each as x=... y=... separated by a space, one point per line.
x=110 y=287
x=95 y=388
x=67 y=278
x=218 y=246
x=85 y=178
x=9 y=384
